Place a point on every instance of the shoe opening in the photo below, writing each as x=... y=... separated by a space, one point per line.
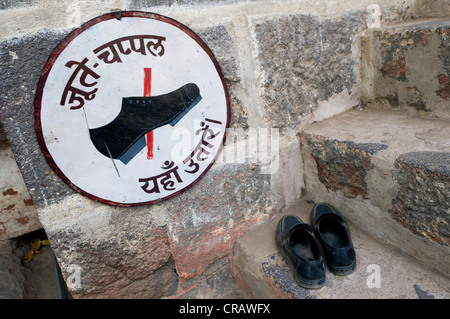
x=333 y=233
x=304 y=245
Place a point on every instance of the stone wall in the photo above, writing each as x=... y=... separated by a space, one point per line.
x=286 y=63
x=428 y=172
x=406 y=68
x=388 y=172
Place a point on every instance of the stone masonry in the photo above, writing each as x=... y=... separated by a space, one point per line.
x=286 y=64
x=389 y=173
x=408 y=68
x=424 y=212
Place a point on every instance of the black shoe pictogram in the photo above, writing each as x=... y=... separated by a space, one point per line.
x=124 y=137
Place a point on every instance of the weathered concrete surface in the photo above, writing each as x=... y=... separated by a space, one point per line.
x=221 y=40
x=10 y=4
x=407 y=67
x=12 y=278
x=304 y=59
x=216 y=282
x=120 y=253
x=287 y=179
x=205 y=222
x=18 y=215
x=423 y=197
x=265 y=274
x=389 y=171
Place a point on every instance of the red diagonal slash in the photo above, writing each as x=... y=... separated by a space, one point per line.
x=148 y=92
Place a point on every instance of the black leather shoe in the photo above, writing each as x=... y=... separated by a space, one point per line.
x=298 y=245
x=124 y=137
x=333 y=233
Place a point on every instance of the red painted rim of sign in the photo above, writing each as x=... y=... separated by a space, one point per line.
x=55 y=54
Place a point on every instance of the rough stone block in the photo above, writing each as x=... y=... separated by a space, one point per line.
x=406 y=67
x=280 y=277
x=343 y=165
x=13 y=4
x=305 y=59
x=423 y=197
x=431 y=9
x=216 y=281
x=118 y=253
x=206 y=221
x=221 y=42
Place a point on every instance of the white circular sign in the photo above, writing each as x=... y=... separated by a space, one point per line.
x=131 y=109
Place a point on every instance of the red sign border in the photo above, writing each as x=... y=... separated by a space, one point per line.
x=49 y=64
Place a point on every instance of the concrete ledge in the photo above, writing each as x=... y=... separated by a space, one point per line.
x=13 y=4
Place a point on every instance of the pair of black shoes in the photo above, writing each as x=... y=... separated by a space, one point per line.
x=308 y=247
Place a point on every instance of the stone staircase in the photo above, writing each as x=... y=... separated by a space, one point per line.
x=386 y=166
x=382 y=271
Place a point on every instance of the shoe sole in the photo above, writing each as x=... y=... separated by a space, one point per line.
x=305 y=283
x=343 y=271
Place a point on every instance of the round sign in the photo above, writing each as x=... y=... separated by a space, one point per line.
x=131 y=108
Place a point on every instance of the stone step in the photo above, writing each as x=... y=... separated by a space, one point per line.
x=381 y=272
x=407 y=66
x=389 y=172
